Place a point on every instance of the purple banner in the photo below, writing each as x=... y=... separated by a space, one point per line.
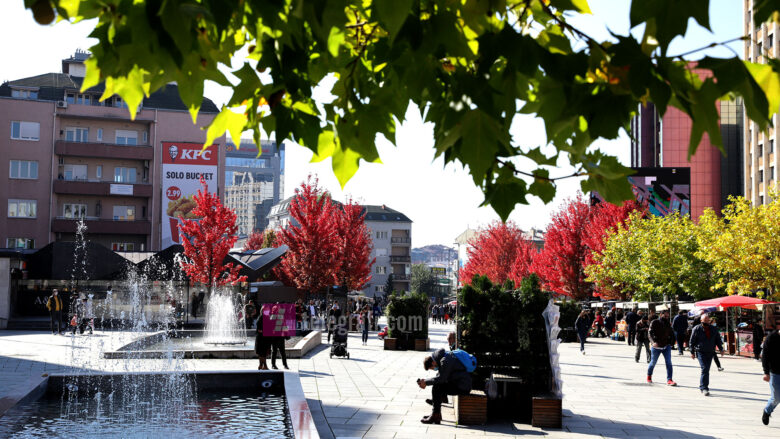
x=279 y=319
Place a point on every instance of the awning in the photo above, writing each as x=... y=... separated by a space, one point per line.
x=686 y=306
x=732 y=301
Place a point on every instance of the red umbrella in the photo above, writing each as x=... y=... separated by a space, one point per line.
x=731 y=301
x=453 y=303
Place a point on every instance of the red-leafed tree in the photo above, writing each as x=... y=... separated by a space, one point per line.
x=499 y=252
x=561 y=264
x=314 y=253
x=258 y=240
x=208 y=239
x=355 y=247
x=605 y=218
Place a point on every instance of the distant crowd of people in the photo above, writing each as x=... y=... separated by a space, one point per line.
x=658 y=334
x=443 y=313
x=80 y=315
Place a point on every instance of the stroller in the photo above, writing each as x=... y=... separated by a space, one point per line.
x=339 y=346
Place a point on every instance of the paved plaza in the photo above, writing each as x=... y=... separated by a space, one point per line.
x=374 y=394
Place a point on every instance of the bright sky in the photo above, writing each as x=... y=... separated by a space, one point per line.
x=442 y=201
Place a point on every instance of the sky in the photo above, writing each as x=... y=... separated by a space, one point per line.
x=442 y=201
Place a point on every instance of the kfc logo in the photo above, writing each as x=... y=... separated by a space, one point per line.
x=173 y=151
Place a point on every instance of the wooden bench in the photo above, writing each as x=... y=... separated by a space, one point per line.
x=471 y=409
x=546 y=411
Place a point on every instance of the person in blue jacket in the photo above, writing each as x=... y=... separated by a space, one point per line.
x=704 y=339
x=680 y=326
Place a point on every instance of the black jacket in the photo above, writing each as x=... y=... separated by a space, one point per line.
x=451 y=371
x=609 y=322
x=582 y=325
x=770 y=355
x=680 y=324
x=632 y=318
x=641 y=331
x=701 y=343
x=660 y=333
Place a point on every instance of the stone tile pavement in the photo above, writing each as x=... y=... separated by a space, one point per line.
x=374 y=394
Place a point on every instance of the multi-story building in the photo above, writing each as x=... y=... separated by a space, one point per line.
x=391 y=233
x=68 y=156
x=760 y=160
x=253 y=183
x=663 y=143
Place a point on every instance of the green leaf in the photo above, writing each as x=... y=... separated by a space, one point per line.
x=229 y=121
x=506 y=192
x=482 y=136
x=92 y=76
x=544 y=189
x=768 y=78
x=326 y=145
x=336 y=38
x=765 y=10
x=580 y=6
x=392 y=14
x=538 y=156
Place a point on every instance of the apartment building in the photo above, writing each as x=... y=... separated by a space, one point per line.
x=253 y=183
x=67 y=156
x=760 y=160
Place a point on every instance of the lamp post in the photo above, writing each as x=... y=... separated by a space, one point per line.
x=457 y=297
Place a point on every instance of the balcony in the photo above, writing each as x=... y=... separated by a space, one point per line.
x=102 y=188
x=400 y=258
x=103 y=150
x=400 y=240
x=104 y=226
x=402 y=277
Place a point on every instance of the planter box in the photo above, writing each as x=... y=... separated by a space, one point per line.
x=391 y=344
x=471 y=409
x=546 y=411
x=422 y=344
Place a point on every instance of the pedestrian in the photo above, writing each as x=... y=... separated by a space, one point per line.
x=642 y=338
x=298 y=314
x=632 y=318
x=377 y=312
x=194 y=306
x=452 y=341
x=704 y=338
x=54 y=305
x=609 y=323
x=599 y=325
x=770 y=361
x=452 y=379
x=680 y=326
x=661 y=338
x=312 y=314
x=582 y=325
x=758 y=338
x=262 y=343
x=364 y=318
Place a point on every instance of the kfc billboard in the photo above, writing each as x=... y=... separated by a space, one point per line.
x=183 y=165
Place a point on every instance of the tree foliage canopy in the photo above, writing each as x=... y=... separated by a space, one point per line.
x=423 y=280
x=470 y=66
x=501 y=252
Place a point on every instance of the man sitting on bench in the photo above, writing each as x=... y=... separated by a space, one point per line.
x=452 y=379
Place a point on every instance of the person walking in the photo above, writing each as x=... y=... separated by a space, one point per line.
x=364 y=320
x=54 y=305
x=758 y=339
x=262 y=343
x=582 y=325
x=704 y=339
x=680 y=326
x=632 y=319
x=770 y=361
x=599 y=325
x=661 y=338
x=609 y=323
x=642 y=338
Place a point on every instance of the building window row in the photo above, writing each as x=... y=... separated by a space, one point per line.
x=381 y=235
x=21 y=130
x=122 y=137
x=74 y=211
x=24 y=169
x=124 y=175
x=381 y=269
x=86 y=99
x=379 y=288
x=26 y=243
x=24 y=94
x=123 y=246
x=22 y=208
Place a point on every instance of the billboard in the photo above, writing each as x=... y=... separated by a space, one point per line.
x=662 y=190
x=182 y=166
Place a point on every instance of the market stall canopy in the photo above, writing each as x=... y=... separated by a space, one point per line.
x=732 y=301
x=453 y=303
x=686 y=306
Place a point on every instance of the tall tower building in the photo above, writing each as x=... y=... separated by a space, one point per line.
x=760 y=159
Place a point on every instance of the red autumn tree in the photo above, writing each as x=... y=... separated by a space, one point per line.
x=499 y=252
x=313 y=256
x=355 y=247
x=605 y=218
x=254 y=241
x=208 y=239
x=561 y=265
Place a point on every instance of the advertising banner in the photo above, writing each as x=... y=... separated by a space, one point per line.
x=279 y=319
x=183 y=165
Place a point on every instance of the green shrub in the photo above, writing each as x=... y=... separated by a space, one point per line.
x=570 y=310
x=413 y=308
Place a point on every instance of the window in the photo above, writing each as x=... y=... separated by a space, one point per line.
x=75 y=172
x=100 y=134
x=381 y=269
x=25 y=94
x=123 y=246
x=119 y=103
x=771 y=146
x=70 y=210
x=24 y=169
x=22 y=208
x=761 y=176
x=771 y=41
x=78 y=98
x=381 y=252
x=760 y=149
x=381 y=235
x=99 y=171
x=760 y=199
x=379 y=288
x=758 y=49
x=124 y=213
x=771 y=173
x=25 y=130
x=124 y=175
x=73 y=134
x=20 y=243
x=124 y=137
x=146 y=137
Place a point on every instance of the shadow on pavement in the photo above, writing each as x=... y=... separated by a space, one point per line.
x=617 y=429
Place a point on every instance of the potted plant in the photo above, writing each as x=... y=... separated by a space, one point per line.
x=407 y=319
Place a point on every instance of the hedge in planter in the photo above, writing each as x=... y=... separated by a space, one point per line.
x=569 y=310
x=505 y=330
x=407 y=318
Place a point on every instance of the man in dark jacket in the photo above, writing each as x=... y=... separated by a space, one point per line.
x=661 y=338
x=770 y=360
x=632 y=319
x=680 y=326
x=642 y=339
x=704 y=339
x=451 y=379
x=54 y=305
x=609 y=323
x=758 y=338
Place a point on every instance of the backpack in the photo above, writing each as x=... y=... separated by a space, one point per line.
x=469 y=361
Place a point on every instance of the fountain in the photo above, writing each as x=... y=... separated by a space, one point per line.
x=223 y=326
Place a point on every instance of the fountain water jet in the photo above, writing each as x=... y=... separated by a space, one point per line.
x=223 y=325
